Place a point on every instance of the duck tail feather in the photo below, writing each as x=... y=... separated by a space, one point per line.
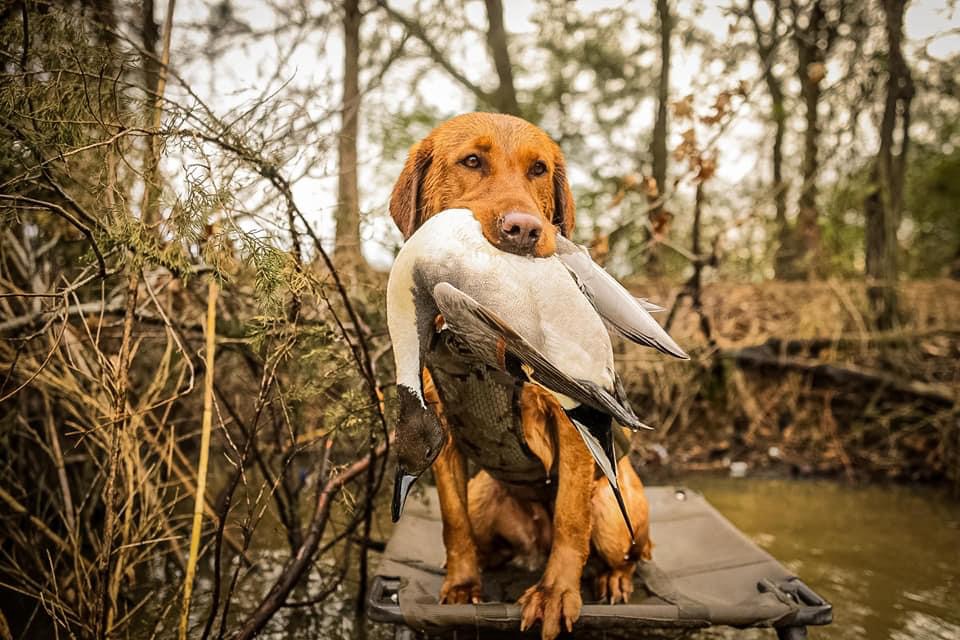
x=596 y=429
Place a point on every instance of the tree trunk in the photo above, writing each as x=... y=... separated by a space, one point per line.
x=814 y=39
x=105 y=15
x=779 y=115
x=658 y=148
x=150 y=37
x=767 y=41
x=506 y=95
x=347 y=253
x=883 y=205
x=806 y=240
x=954 y=269
x=807 y=230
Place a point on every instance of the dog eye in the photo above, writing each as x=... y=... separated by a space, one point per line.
x=538 y=169
x=472 y=161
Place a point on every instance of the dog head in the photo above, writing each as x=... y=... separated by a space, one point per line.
x=508 y=172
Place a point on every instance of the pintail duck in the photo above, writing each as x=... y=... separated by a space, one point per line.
x=538 y=320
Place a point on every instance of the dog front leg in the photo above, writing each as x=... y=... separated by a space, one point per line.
x=462 y=583
x=555 y=600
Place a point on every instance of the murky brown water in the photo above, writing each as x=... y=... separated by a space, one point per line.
x=887 y=557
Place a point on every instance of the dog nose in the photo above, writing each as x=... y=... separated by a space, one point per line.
x=519 y=232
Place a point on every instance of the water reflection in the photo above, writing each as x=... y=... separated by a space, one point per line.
x=887 y=557
x=922 y=625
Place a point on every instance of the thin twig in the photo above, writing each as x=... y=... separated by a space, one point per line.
x=295 y=567
x=198 y=504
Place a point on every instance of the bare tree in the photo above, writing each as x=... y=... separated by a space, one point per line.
x=347 y=252
x=768 y=38
x=506 y=93
x=815 y=30
x=504 y=97
x=658 y=215
x=100 y=340
x=883 y=205
x=150 y=37
x=105 y=16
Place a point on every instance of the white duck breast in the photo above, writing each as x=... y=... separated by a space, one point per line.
x=536 y=297
x=539 y=319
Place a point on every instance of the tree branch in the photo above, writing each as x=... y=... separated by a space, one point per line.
x=418 y=32
x=303 y=559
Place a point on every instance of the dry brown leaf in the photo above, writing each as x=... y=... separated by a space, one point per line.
x=816 y=71
x=722 y=102
x=650 y=188
x=618 y=197
x=708 y=167
x=682 y=108
x=660 y=222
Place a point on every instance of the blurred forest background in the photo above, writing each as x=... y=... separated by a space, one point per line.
x=195 y=377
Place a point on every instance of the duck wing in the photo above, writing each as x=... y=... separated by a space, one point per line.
x=630 y=316
x=492 y=340
x=652 y=307
x=495 y=342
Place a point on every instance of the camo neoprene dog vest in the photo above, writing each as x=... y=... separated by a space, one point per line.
x=482 y=406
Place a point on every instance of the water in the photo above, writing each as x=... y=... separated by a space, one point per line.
x=886 y=557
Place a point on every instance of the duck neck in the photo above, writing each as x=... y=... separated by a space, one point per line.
x=408 y=333
x=411 y=309
x=408 y=358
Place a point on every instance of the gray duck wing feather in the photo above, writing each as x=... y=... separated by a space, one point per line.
x=485 y=332
x=628 y=315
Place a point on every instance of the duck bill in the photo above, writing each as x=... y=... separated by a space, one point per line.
x=402 y=484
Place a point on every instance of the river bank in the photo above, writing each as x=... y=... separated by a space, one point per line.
x=786 y=378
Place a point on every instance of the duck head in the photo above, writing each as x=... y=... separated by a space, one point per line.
x=419 y=442
x=411 y=315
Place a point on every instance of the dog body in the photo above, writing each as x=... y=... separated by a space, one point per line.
x=536 y=489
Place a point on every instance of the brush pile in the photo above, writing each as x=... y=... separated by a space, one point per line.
x=791 y=378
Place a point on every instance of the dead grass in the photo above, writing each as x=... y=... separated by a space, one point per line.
x=747 y=314
x=829 y=397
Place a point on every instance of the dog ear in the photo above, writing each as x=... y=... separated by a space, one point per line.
x=405 y=201
x=564 y=208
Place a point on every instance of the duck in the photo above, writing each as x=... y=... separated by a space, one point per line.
x=540 y=320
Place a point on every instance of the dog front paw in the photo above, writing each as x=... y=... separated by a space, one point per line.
x=616 y=584
x=460 y=590
x=553 y=605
